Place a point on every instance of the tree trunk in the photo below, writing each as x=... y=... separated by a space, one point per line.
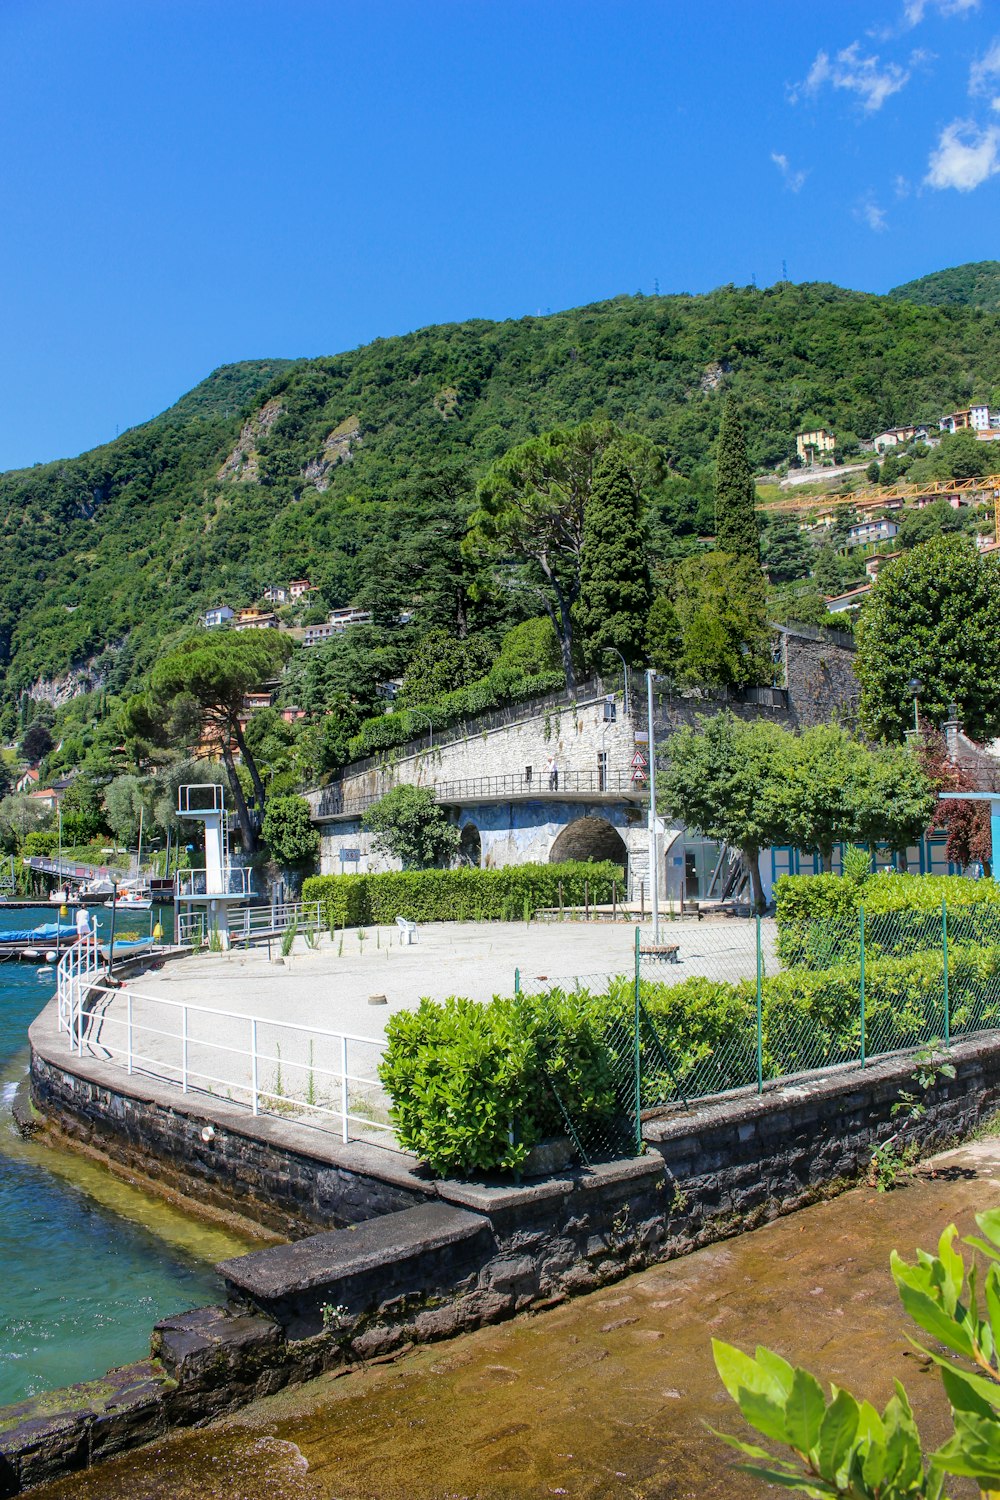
x=902 y=862
x=826 y=860
x=243 y=817
x=751 y=858
x=251 y=765
x=564 y=634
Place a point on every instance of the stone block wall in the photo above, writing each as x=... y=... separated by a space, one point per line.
x=474 y=1253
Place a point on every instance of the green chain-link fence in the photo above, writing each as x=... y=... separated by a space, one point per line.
x=724 y=1006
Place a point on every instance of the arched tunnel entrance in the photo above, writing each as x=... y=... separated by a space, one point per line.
x=470 y=847
x=590 y=839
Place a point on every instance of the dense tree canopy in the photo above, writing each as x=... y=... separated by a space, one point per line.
x=930 y=630
x=614 y=567
x=215 y=671
x=361 y=472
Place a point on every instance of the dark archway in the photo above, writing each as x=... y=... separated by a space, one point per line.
x=470 y=848
x=590 y=839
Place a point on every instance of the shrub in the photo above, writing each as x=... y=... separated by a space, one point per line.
x=474 y=1086
x=458 y=895
x=468 y=1081
x=501 y=687
x=818 y=922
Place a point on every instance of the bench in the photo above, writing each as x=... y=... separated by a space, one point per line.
x=407 y=930
x=666 y=952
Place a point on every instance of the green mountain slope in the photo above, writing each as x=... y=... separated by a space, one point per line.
x=357 y=470
x=974 y=285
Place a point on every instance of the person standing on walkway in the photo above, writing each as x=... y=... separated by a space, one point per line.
x=553 y=771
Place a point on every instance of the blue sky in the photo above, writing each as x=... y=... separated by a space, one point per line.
x=190 y=182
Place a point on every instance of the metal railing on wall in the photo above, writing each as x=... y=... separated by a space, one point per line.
x=303 y=1074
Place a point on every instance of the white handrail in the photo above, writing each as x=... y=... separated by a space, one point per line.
x=235 y=1015
x=182 y=1060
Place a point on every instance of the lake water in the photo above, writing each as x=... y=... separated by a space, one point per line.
x=87 y=1262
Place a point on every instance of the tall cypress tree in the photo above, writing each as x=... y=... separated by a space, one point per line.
x=615 y=593
x=735 y=496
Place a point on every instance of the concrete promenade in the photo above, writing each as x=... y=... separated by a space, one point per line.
x=300 y=1035
x=327 y=988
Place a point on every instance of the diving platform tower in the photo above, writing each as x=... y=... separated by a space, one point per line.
x=212 y=891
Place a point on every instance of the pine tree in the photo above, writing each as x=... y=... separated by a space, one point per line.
x=735 y=496
x=615 y=593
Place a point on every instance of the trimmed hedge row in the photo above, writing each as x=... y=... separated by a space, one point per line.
x=801 y=898
x=468 y=1081
x=503 y=895
x=503 y=686
x=819 y=925
x=470 y=1084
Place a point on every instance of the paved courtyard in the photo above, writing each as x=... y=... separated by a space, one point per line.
x=287 y=1031
x=329 y=986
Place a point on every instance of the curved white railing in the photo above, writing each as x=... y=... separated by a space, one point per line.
x=306 y=1074
x=77 y=971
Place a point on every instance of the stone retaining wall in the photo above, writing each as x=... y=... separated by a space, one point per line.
x=474 y=1253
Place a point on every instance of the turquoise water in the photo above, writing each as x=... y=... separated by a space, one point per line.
x=87 y=1264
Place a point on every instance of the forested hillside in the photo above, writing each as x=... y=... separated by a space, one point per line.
x=976 y=284
x=358 y=470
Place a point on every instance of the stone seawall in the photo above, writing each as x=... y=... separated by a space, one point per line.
x=470 y=1254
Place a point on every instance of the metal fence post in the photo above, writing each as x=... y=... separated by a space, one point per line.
x=184 y=1050
x=128 y=1003
x=944 y=954
x=343 y=1085
x=638 y=1057
x=253 y=1067
x=517 y=981
x=861 y=934
x=760 y=1012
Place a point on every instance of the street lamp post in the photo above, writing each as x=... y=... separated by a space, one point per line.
x=430 y=726
x=916 y=687
x=613 y=651
x=654 y=852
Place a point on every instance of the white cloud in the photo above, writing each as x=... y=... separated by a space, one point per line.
x=868 y=212
x=915 y=10
x=965 y=156
x=984 y=75
x=863 y=76
x=793 y=179
x=901 y=186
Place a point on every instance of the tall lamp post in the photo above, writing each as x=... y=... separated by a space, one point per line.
x=654 y=843
x=916 y=687
x=613 y=651
x=430 y=726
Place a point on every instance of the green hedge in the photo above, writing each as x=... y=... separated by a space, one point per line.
x=469 y=1083
x=818 y=915
x=502 y=687
x=459 y=895
x=801 y=897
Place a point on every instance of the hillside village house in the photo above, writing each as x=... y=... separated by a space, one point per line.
x=838 y=603
x=814 y=445
x=975 y=418
x=896 y=436
x=217 y=616
x=300 y=586
x=27 y=781
x=864 y=532
x=874 y=565
x=255 y=619
x=338 y=621
x=275 y=593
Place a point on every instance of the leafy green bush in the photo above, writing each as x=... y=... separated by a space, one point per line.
x=468 y=1081
x=501 y=687
x=458 y=895
x=818 y=915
